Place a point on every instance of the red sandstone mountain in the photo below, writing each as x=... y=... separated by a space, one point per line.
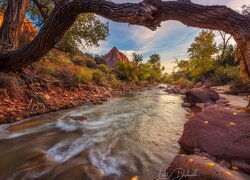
x=115 y=56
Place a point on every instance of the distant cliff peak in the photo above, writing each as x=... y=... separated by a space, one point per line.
x=114 y=57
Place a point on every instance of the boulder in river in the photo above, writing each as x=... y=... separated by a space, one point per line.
x=219 y=131
x=201 y=95
x=201 y=168
x=78 y=118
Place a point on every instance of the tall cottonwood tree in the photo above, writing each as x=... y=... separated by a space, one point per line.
x=148 y=13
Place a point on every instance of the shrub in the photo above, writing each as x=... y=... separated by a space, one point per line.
x=99 y=77
x=184 y=83
x=104 y=68
x=223 y=75
x=114 y=82
x=84 y=60
x=84 y=75
x=169 y=79
x=45 y=67
x=239 y=86
x=74 y=75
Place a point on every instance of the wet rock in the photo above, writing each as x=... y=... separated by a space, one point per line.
x=201 y=95
x=242 y=165
x=78 y=118
x=172 y=89
x=186 y=105
x=161 y=86
x=197 y=85
x=112 y=177
x=200 y=168
x=222 y=101
x=98 y=103
x=208 y=83
x=224 y=163
x=220 y=132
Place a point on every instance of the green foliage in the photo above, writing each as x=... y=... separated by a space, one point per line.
x=203 y=47
x=245 y=9
x=184 y=83
x=114 y=82
x=240 y=86
x=224 y=75
x=201 y=55
x=204 y=64
x=99 y=77
x=77 y=76
x=3 y=5
x=34 y=13
x=99 y=60
x=87 y=30
x=169 y=79
x=126 y=71
x=144 y=72
x=137 y=58
x=84 y=60
x=228 y=58
x=199 y=68
x=154 y=59
x=139 y=72
x=104 y=68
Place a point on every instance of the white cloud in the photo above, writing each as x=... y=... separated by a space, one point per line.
x=170 y=41
x=101 y=49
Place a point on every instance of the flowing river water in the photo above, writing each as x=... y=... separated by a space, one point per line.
x=132 y=135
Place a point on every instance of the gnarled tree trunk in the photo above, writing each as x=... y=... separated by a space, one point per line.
x=12 y=23
x=149 y=13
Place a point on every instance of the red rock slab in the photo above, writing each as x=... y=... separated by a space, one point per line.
x=219 y=131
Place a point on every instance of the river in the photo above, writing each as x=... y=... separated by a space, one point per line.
x=130 y=135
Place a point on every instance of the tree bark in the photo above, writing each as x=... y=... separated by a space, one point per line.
x=12 y=23
x=43 y=9
x=149 y=13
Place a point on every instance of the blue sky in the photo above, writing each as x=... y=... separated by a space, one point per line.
x=170 y=41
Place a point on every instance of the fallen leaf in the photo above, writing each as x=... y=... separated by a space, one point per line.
x=134 y=178
x=19 y=118
x=210 y=164
x=235 y=114
x=235 y=168
x=229 y=173
x=46 y=96
x=243 y=110
x=232 y=124
x=190 y=161
x=183 y=154
x=205 y=122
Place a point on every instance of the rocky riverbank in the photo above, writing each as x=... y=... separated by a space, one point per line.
x=36 y=96
x=216 y=138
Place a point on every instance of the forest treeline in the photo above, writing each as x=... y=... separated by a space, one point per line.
x=210 y=64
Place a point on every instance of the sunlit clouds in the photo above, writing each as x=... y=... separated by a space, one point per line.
x=170 y=41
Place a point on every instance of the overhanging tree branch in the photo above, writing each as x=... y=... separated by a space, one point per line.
x=149 y=13
x=43 y=9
